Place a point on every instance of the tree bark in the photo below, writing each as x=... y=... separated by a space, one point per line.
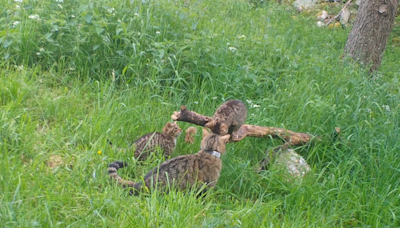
x=368 y=38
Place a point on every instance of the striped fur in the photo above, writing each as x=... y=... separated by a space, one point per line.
x=181 y=172
x=228 y=118
x=148 y=143
x=166 y=141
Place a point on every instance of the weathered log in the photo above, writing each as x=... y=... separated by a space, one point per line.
x=190 y=117
x=290 y=138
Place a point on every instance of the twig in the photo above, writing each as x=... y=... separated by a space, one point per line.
x=340 y=12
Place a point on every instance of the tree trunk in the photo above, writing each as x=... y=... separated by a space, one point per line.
x=368 y=38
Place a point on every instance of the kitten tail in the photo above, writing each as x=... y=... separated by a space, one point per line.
x=189 y=135
x=112 y=172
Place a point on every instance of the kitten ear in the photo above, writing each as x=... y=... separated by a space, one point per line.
x=210 y=124
x=166 y=127
x=205 y=133
x=225 y=138
x=223 y=129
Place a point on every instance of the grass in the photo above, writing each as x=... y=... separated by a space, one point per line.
x=86 y=71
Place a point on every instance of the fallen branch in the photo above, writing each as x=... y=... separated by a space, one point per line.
x=190 y=117
x=340 y=12
x=290 y=138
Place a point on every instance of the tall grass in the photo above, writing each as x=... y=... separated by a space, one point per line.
x=82 y=72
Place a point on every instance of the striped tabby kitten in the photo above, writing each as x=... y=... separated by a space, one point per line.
x=228 y=118
x=185 y=171
x=166 y=140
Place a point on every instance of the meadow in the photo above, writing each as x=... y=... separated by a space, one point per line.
x=76 y=73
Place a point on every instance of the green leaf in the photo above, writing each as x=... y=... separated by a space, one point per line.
x=194 y=25
x=99 y=30
x=6 y=56
x=88 y=18
x=119 y=30
x=7 y=43
x=48 y=35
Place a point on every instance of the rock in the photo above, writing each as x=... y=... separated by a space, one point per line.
x=296 y=165
x=345 y=16
x=287 y=161
x=304 y=4
x=322 y=15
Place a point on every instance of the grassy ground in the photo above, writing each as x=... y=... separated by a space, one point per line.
x=75 y=73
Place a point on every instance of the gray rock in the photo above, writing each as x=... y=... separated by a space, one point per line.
x=304 y=4
x=292 y=165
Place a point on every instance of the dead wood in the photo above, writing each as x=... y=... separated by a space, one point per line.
x=290 y=138
x=340 y=13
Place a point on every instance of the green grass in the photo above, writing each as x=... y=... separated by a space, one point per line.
x=91 y=71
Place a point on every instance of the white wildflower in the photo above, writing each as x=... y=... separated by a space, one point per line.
x=214 y=98
x=320 y=24
x=111 y=10
x=15 y=24
x=60 y=1
x=17 y=7
x=158 y=32
x=249 y=101
x=38 y=53
x=387 y=107
x=21 y=67
x=232 y=49
x=60 y=6
x=242 y=37
x=368 y=110
x=72 y=16
x=136 y=14
x=255 y=106
x=41 y=49
x=106 y=39
x=196 y=102
x=119 y=21
x=72 y=68
x=20 y=1
x=34 y=17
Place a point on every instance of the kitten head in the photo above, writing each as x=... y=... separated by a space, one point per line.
x=217 y=127
x=172 y=129
x=214 y=142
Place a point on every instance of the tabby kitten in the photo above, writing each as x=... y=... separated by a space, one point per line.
x=148 y=143
x=183 y=172
x=166 y=140
x=228 y=118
